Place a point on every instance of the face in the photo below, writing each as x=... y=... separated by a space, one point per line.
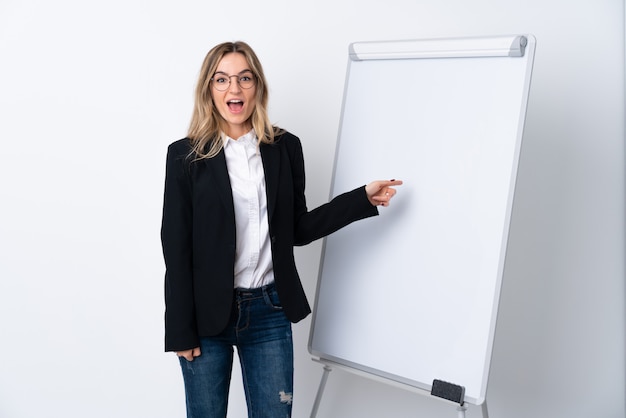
x=235 y=104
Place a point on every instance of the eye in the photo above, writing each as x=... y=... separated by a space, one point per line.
x=220 y=80
x=246 y=77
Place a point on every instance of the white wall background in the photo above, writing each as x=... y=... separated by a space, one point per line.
x=91 y=93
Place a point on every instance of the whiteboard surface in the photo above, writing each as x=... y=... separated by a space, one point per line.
x=412 y=295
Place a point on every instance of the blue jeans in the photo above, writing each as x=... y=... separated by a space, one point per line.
x=262 y=335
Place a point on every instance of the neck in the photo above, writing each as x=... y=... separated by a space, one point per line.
x=236 y=131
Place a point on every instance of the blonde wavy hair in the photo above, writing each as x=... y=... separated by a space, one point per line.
x=207 y=125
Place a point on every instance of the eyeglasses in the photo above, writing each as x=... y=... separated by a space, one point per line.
x=221 y=81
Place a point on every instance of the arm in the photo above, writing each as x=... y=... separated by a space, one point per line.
x=342 y=210
x=176 y=232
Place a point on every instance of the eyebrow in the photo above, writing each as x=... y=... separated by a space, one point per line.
x=239 y=73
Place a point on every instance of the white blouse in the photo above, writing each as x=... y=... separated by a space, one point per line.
x=253 y=259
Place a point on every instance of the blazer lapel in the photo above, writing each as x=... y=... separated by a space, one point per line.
x=270 y=154
x=218 y=167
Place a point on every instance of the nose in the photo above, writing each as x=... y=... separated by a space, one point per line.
x=233 y=85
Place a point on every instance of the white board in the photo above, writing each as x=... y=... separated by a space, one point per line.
x=412 y=295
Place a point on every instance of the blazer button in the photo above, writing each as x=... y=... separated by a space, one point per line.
x=273 y=239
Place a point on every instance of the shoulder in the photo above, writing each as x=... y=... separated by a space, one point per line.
x=180 y=147
x=283 y=135
x=179 y=151
x=288 y=140
x=179 y=156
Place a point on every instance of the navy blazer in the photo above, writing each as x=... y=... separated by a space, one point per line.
x=198 y=235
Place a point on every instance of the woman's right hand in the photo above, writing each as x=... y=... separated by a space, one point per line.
x=189 y=355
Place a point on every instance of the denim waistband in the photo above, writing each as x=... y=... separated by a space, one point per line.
x=242 y=293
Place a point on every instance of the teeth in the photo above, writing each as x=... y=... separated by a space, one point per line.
x=234 y=101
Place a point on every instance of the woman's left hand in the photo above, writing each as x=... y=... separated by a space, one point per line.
x=380 y=192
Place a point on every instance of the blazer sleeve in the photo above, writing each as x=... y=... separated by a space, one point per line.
x=342 y=210
x=176 y=240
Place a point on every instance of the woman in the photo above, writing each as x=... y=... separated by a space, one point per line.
x=234 y=208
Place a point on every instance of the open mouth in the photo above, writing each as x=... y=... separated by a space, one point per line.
x=235 y=105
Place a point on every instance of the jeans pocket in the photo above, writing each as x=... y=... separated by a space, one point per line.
x=272 y=300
